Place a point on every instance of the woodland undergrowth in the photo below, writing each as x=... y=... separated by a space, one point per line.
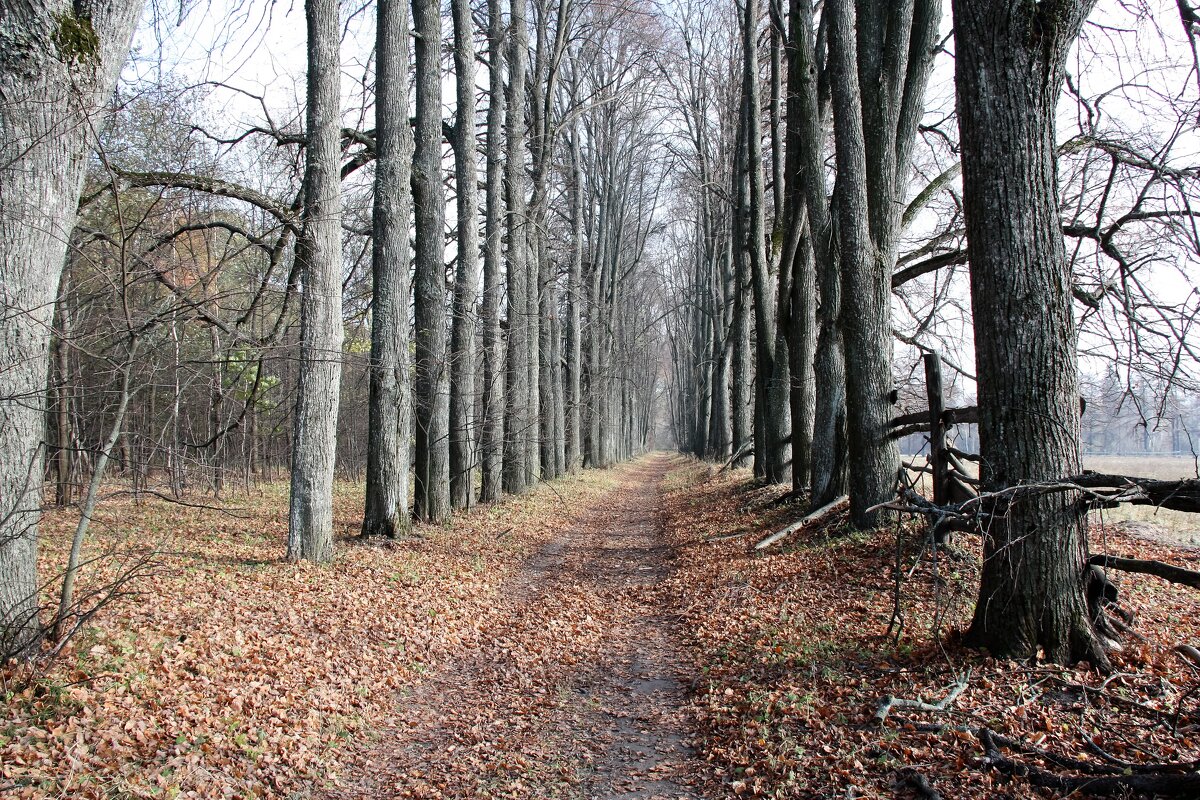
x=797 y=649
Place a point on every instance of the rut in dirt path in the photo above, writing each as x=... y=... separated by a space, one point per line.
x=574 y=691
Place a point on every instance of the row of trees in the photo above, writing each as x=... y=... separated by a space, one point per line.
x=471 y=299
x=758 y=211
x=843 y=213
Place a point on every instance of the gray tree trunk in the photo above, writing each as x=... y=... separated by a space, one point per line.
x=742 y=376
x=431 y=387
x=772 y=386
x=389 y=412
x=49 y=91
x=466 y=282
x=319 y=252
x=62 y=398
x=574 y=327
x=519 y=425
x=803 y=166
x=880 y=56
x=491 y=434
x=1008 y=72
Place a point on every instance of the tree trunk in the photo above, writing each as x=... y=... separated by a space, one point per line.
x=517 y=419
x=491 y=435
x=804 y=148
x=772 y=408
x=742 y=399
x=49 y=90
x=466 y=282
x=574 y=327
x=310 y=524
x=866 y=325
x=62 y=399
x=389 y=410
x=880 y=56
x=1008 y=72
x=431 y=499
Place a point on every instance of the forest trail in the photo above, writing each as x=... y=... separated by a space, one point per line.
x=573 y=691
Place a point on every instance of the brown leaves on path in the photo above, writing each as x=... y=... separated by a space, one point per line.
x=235 y=675
x=571 y=688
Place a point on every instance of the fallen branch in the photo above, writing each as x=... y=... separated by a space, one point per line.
x=744 y=451
x=816 y=516
x=1163 y=785
x=890 y=702
x=1095 y=490
x=1189 y=654
x=1158 y=569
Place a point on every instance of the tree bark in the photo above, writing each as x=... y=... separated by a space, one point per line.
x=1008 y=73
x=574 y=327
x=772 y=408
x=389 y=413
x=519 y=426
x=319 y=252
x=466 y=281
x=491 y=434
x=49 y=91
x=880 y=57
x=803 y=166
x=431 y=499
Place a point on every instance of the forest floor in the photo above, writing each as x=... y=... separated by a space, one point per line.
x=611 y=635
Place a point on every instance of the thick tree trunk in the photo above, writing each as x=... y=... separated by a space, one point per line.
x=803 y=166
x=466 y=282
x=314 y=448
x=880 y=56
x=873 y=454
x=389 y=412
x=772 y=408
x=431 y=499
x=519 y=425
x=491 y=434
x=1008 y=71
x=48 y=94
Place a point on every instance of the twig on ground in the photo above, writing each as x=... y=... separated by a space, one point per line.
x=890 y=702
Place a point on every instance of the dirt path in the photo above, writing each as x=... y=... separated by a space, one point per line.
x=573 y=691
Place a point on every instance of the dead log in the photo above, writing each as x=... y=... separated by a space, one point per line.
x=816 y=516
x=1158 y=569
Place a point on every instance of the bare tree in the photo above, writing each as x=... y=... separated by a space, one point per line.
x=431 y=384
x=1009 y=72
x=319 y=252
x=466 y=281
x=880 y=57
x=390 y=404
x=519 y=422
x=491 y=435
x=57 y=68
